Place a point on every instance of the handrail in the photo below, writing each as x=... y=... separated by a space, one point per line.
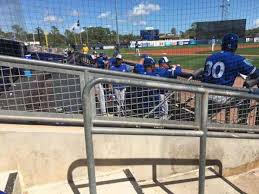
x=88 y=124
x=114 y=73
x=93 y=76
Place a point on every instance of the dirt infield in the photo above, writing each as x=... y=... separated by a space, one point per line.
x=200 y=51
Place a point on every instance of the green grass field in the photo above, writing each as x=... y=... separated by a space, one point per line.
x=187 y=62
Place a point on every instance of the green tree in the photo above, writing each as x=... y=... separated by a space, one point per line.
x=2 y=33
x=55 y=38
x=19 y=32
x=173 y=31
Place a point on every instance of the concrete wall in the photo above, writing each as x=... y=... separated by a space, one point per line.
x=44 y=154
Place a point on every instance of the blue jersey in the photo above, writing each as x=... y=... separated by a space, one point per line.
x=139 y=68
x=100 y=63
x=223 y=67
x=169 y=73
x=112 y=61
x=122 y=68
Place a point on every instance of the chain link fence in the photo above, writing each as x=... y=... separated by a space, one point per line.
x=67 y=31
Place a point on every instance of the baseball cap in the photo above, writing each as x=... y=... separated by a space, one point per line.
x=119 y=56
x=91 y=57
x=149 y=61
x=144 y=56
x=163 y=60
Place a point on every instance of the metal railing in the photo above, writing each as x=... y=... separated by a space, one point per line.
x=196 y=109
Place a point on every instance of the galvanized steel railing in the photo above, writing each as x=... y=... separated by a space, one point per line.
x=209 y=117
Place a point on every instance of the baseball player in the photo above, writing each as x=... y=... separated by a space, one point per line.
x=120 y=89
x=223 y=67
x=99 y=87
x=162 y=71
x=137 y=48
x=213 y=43
x=112 y=60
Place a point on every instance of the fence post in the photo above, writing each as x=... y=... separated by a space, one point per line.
x=198 y=98
x=88 y=126
x=203 y=142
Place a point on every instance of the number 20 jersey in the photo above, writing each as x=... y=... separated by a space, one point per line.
x=223 y=67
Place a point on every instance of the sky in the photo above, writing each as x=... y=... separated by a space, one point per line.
x=133 y=15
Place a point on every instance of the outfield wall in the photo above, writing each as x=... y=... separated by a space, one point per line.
x=166 y=43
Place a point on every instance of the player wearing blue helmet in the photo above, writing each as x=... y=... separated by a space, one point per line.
x=112 y=60
x=223 y=67
x=149 y=68
x=102 y=61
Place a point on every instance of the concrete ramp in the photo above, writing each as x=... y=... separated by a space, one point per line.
x=121 y=182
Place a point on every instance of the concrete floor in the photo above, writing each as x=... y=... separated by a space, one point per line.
x=118 y=182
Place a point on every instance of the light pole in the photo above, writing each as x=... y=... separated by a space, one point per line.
x=224 y=9
x=117 y=27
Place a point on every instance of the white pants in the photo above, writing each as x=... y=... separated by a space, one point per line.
x=213 y=47
x=137 y=52
x=164 y=106
x=120 y=98
x=100 y=95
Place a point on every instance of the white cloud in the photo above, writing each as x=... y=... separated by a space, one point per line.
x=52 y=19
x=108 y=26
x=104 y=15
x=257 y=23
x=75 y=13
x=144 y=9
x=140 y=23
x=122 y=21
x=149 y=28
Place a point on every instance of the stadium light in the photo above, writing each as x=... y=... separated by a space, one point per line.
x=117 y=27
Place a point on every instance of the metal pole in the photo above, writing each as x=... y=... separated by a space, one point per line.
x=203 y=141
x=87 y=37
x=117 y=27
x=88 y=126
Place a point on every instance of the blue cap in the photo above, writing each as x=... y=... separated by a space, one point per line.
x=230 y=42
x=149 y=61
x=143 y=56
x=164 y=60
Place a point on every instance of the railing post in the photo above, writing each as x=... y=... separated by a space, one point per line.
x=198 y=98
x=203 y=142
x=88 y=126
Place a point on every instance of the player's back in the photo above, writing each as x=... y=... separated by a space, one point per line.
x=223 y=67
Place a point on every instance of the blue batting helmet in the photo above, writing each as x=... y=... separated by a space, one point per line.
x=163 y=60
x=230 y=42
x=149 y=61
x=143 y=56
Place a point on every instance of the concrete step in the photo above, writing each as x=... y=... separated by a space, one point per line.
x=10 y=183
x=116 y=182
x=188 y=184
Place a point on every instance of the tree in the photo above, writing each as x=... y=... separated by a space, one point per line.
x=252 y=32
x=40 y=36
x=19 y=32
x=2 y=33
x=173 y=31
x=191 y=32
x=55 y=38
